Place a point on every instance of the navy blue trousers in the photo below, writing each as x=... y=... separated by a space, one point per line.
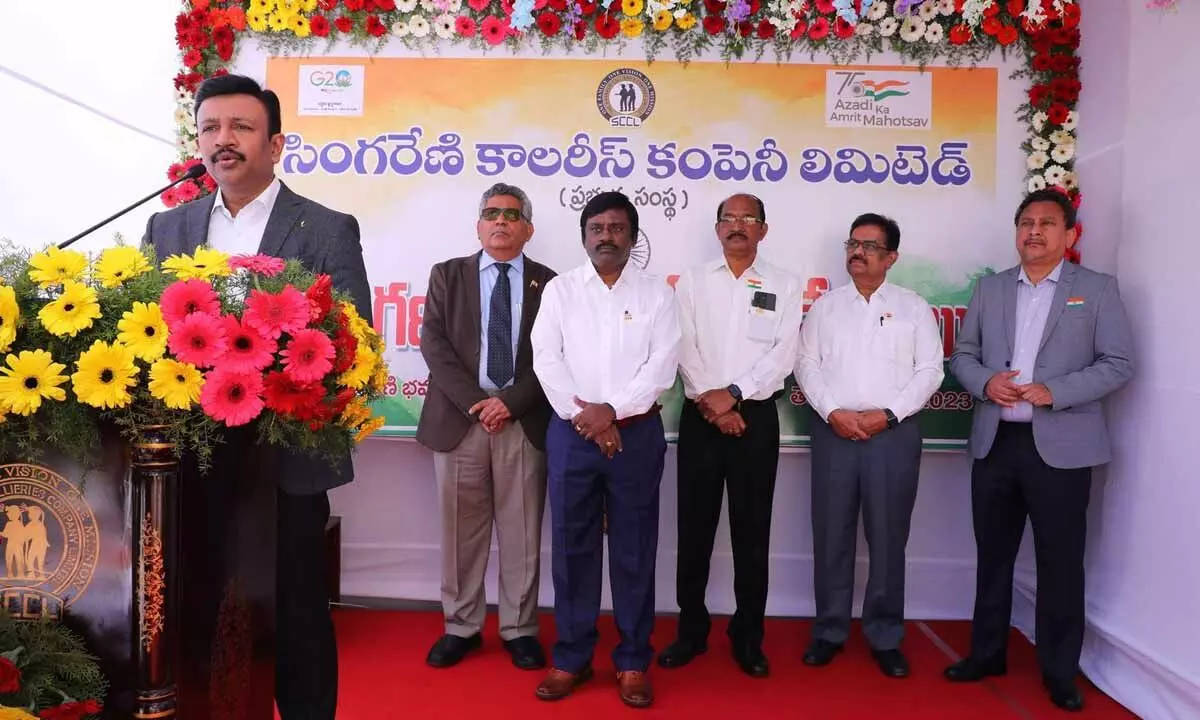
x=583 y=483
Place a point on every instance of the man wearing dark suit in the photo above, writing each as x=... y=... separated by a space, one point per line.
x=1041 y=346
x=240 y=140
x=485 y=418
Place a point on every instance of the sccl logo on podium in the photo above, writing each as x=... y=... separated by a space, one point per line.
x=893 y=99
x=625 y=98
x=50 y=540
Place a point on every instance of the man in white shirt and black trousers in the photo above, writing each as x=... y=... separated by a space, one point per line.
x=740 y=320
x=605 y=346
x=870 y=357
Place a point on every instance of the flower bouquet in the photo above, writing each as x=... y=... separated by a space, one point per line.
x=204 y=342
x=46 y=673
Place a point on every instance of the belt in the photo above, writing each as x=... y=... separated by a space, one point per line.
x=623 y=422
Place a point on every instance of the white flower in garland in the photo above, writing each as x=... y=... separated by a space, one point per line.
x=946 y=7
x=443 y=25
x=400 y=29
x=1040 y=143
x=972 y=12
x=418 y=26
x=1071 y=121
x=1038 y=121
x=864 y=29
x=1037 y=160
x=406 y=6
x=888 y=26
x=1037 y=182
x=1061 y=137
x=928 y=10
x=428 y=6
x=1055 y=175
x=879 y=9
x=1062 y=154
x=1070 y=181
x=934 y=33
x=912 y=29
x=781 y=13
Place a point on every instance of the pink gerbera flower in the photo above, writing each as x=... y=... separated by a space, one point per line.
x=246 y=350
x=184 y=297
x=234 y=398
x=273 y=315
x=198 y=339
x=262 y=264
x=308 y=357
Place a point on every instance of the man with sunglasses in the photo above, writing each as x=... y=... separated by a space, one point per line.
x=485 y=418
x=870 y=357
x=740 y=320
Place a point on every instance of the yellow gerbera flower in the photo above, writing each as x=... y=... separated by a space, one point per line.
x=76 y=309
x=177 y=384
x=143 y=331
x=686 y=22
x=56 y=267
x=360 y=372
x=30 y=377
x=278 y=22
x=368 y=428
x=205 y=264
x=632 y=8
x=104 y=373
x=10 y=313
x=118 y=264
x=256 y=20
x=632 y=27
x=300 y=26
x=663 y=20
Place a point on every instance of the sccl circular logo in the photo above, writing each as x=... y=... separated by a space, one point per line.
x=625 y=98
x=330 y=78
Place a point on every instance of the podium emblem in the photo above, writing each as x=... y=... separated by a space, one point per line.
x=50 y=542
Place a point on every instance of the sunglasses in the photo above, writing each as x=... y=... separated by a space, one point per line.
x=493 y=213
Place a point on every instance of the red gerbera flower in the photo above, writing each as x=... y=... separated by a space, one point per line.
x=184 y=297
x=345 y=345
x=246 y=350
x=464 y=26
x=234 y=398
x=287 y=397
x=308 y=357
x=265 y=265
x=275 y=314
x=320 y=298
x=198 y=339
x=493 y=29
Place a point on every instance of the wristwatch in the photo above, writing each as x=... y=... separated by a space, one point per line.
x=735 y=391
x=891 y=418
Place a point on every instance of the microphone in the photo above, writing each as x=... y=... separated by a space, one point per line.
x=195 y=172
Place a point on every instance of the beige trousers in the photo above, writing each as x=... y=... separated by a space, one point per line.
x=500 y=477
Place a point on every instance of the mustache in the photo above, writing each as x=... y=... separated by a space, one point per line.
x=736 y=234
x=226 y=152
x=606 y=245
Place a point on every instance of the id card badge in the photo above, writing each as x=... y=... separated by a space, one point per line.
x=761 y=326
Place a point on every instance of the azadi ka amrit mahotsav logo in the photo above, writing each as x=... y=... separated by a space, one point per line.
x=863 y=98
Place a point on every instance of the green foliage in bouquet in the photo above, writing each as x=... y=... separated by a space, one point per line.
x=46 y=667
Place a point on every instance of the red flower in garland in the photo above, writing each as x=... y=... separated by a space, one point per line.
x=766 y=30
x=549 y=24
x=1057 y=113
x=10 y=677
x=375 y=27
x=714 y=24
x=825 y=6
x=465 y=26
x=819 y=30
x=319 y=25
x=72 y=710
x=960 y=34
x=1007 y=35
x=843 y=29
x=344 y=24
x=493 y=29
x=288 y=397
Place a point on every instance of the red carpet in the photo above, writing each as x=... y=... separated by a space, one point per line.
x=383 y=675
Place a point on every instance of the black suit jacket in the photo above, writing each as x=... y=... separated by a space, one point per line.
x=326 y=241
x=450 y=333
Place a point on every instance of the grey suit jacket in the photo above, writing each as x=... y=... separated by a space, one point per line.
x=326 y=241
x=1086 y=353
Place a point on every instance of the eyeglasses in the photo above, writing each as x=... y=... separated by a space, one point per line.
x=492 y=213
x=869 y=246
x=747 y=220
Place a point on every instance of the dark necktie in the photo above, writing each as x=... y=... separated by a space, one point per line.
x=499 y=332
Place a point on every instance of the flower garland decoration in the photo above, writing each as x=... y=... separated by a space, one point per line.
x=47 y=673
x=956 y=32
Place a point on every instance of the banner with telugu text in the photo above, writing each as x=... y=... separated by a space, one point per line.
x=408 y=145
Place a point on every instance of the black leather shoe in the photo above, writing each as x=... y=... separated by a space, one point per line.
x=527 y=653
x=1063 y=693
x=680 y=653
x=751 y=660
x=891 y=663
x=821 y=652
x=449 y=650
x=970 y=669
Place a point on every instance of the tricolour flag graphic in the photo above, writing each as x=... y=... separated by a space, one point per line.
x=884 y=89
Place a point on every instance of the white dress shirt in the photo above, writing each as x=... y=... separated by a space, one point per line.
x=241 y=235
x=1033 y=309
x=617 y=345
x=885 y=354
x=726 y=339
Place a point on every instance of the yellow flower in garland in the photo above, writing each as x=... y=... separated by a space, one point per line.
x=30 y=378
x=663 y=20
x=56 y=267
x=632 y=8
x=632 y=27
x=118 y=264
x=369 y=427
x=301 y=26
x=256 y=21
x=15 y=713
x=355 y=413
x=76 y=309
x=177 y=384
x=10 y=313
x=143 y=330
x=205 y=264
x=278 y=21
x=104 y=373
x=261 y=6
x=686 y=22
x=380 y=377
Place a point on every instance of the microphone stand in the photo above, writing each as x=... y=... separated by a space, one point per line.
x=193 y=173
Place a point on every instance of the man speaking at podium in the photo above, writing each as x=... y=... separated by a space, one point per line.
x=240 y=140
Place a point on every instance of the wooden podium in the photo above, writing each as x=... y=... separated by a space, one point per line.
x=168 y=574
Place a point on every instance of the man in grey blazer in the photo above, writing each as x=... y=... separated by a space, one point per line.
x=252 y=212
x=1041 y=346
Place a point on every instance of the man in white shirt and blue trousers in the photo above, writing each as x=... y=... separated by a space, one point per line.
x=870 y=358
x=605 y=347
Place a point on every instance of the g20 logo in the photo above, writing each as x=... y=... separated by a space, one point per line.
x=330 y=78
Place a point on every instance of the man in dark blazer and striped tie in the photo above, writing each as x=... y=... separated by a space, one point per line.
x=485 y=418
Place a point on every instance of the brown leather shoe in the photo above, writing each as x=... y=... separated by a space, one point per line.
x=559 y=683
x=635 y=688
